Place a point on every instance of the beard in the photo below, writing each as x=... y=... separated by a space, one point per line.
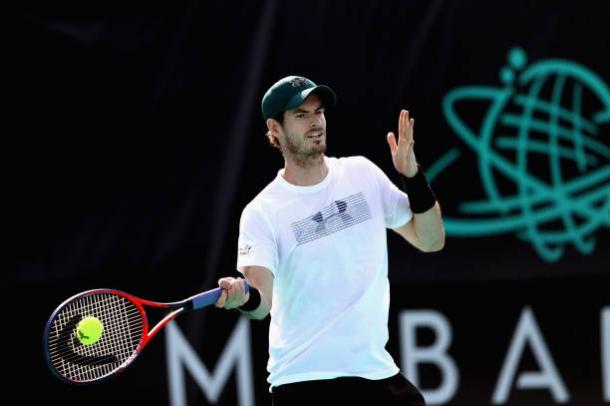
x=302 y=148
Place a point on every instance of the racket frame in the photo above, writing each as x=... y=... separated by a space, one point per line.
x=194 y=302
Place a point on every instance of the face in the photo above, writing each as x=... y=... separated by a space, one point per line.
x=303 y=134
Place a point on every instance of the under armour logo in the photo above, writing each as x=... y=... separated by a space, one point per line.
x=341 y=207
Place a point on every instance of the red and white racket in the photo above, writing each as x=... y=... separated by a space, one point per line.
x=98 y=333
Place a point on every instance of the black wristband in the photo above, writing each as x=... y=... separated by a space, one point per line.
x=253 y=301
x=421 y=196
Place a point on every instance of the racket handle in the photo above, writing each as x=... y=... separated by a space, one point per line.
x=210 y=297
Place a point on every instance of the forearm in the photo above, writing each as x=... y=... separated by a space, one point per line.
x=261 y=311
x=429 y=229
x=261 y=279
x=425 y=231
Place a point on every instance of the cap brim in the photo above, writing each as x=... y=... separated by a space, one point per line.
x=326 y=94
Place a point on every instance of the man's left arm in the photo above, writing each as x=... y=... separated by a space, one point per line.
x=425 y=231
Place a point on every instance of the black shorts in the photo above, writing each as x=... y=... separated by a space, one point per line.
x=396 y=390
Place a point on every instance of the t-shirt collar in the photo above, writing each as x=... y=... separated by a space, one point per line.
x=306 y=189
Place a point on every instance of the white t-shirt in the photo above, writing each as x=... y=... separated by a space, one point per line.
x=326 y=247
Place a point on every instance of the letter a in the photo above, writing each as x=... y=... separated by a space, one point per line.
x=528 y=333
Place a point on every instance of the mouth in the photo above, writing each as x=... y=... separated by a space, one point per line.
x=315 y=134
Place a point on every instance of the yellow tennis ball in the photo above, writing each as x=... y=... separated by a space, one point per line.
x=89 y=330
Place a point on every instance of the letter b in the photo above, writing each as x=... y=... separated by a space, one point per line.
x=412 y=355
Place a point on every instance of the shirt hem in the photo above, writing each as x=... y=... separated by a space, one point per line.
x=314 y=376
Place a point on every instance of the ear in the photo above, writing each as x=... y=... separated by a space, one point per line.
x=273 y=126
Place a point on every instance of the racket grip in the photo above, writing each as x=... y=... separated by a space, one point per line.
x=210 y=297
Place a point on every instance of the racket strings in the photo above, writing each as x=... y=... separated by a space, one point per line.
x=122 y=332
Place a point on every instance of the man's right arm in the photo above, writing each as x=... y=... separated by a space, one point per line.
x=261 y=279
x=233 y=295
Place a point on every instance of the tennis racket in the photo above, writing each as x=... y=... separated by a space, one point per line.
x=96 y=334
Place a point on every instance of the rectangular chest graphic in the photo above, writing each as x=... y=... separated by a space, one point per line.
x=337 y=216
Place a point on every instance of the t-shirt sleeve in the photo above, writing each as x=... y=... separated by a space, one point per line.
x=256 y=244
x=396 y=207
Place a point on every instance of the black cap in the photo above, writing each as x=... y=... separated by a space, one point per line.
x=291 y=92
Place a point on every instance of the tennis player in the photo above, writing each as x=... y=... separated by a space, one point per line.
x=313 y=246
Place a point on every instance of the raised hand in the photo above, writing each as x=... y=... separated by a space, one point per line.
x=402 y=152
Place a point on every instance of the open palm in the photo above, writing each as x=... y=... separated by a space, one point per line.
x=402 y=152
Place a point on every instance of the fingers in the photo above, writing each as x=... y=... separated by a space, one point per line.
x=233 y=293
x=405 y=126
x=225 y=283
x=220 y=303
x=392 y=142
x=401 y=124
x=405 y=130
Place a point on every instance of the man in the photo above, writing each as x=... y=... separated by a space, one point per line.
x=312 y=247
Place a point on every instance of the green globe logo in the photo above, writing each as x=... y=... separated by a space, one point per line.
x=540 y=139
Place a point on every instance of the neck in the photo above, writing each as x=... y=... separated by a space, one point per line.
x=305 y=172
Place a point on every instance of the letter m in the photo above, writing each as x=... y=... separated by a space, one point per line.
x=235 y=354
